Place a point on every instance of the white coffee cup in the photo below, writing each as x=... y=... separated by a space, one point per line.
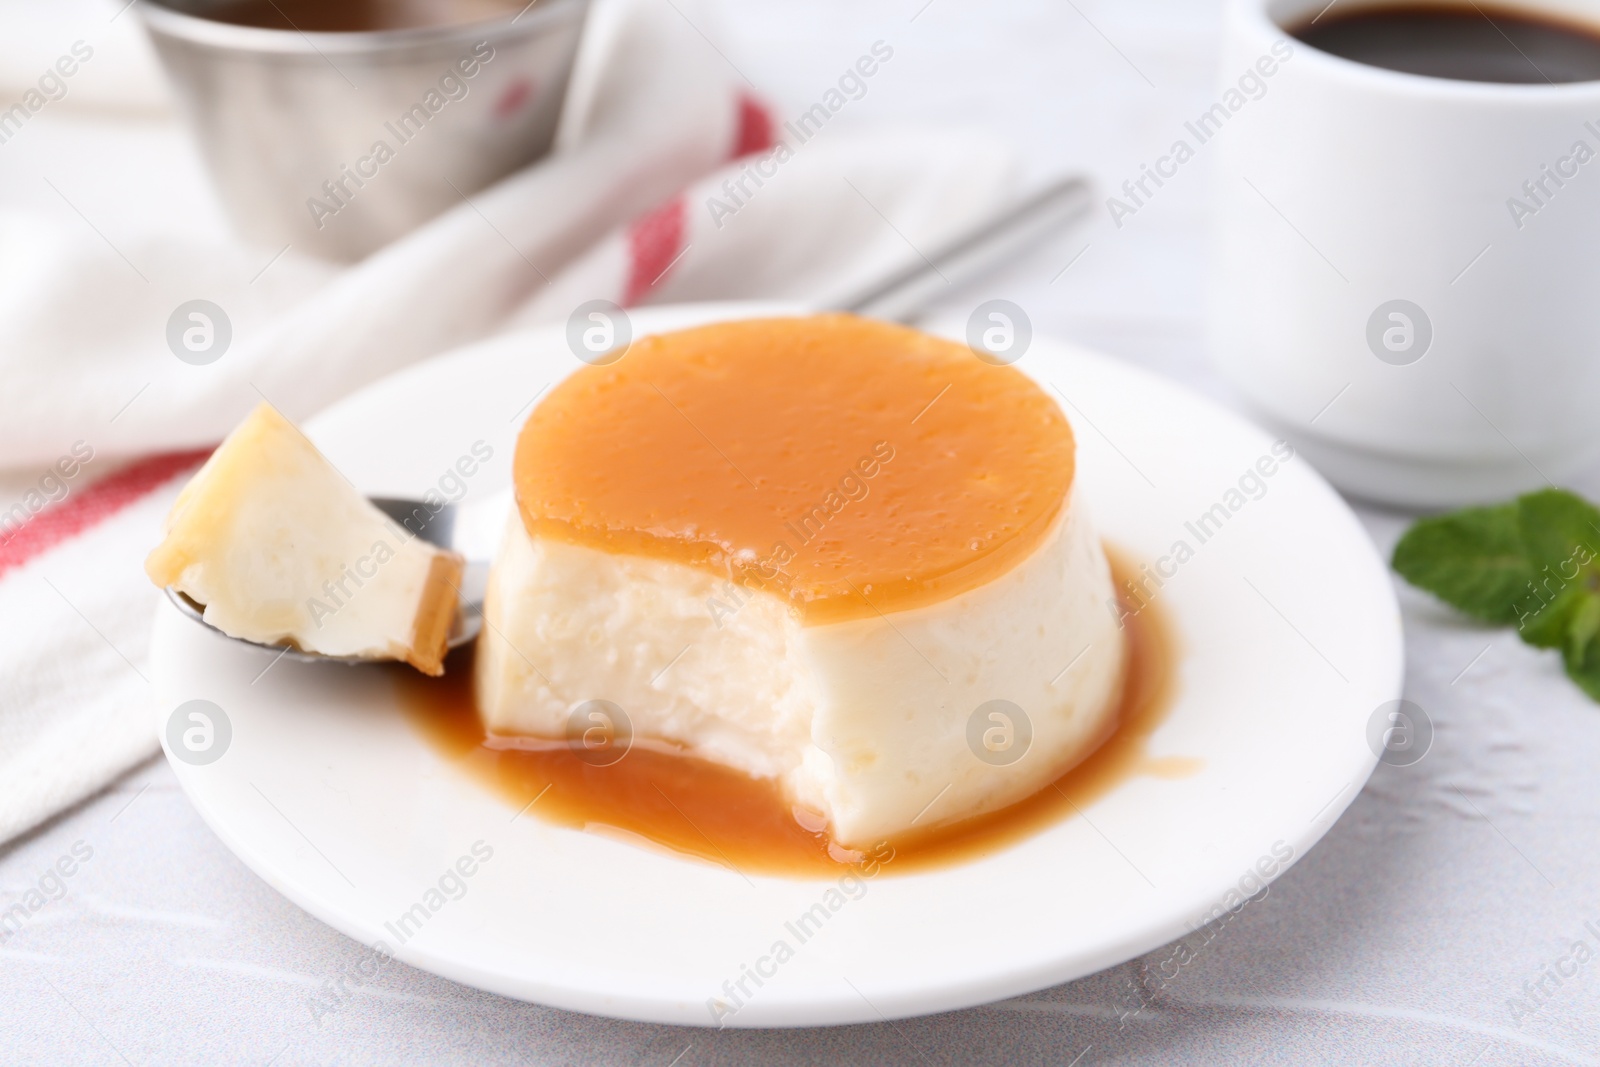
x=1379 y=298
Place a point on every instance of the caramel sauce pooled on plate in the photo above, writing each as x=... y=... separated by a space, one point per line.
x=695 y=808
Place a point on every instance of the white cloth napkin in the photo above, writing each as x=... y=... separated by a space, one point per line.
x=633 y=207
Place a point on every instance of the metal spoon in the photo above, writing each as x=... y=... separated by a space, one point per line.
x=904 y=294
x=437 y=530
x=899 y=295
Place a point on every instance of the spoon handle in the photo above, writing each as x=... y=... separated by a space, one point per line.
x=902 y=295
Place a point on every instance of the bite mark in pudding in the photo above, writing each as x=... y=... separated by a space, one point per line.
x=809 y=549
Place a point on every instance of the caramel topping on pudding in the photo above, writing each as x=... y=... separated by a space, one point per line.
x=854 y=466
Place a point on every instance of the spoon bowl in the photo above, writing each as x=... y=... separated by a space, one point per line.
x=438 y=530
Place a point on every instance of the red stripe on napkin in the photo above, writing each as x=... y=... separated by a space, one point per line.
x=755 y=131
x=93 y=505
x=655 y=241
x=654 y=244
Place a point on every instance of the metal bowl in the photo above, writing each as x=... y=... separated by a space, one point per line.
x=338 y=143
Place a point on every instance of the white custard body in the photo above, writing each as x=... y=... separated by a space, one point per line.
x=865 y=722
x=279 y=547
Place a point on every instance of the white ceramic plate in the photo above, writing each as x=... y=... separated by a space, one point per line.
x=1290 y=640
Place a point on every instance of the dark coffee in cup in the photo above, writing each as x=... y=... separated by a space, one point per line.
x=1472 y=42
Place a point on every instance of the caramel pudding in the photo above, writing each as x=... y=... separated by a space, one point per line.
x=689 y=807
x=836 y=555
x=280 y=549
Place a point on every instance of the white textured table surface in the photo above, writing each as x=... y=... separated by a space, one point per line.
x=1447 y=890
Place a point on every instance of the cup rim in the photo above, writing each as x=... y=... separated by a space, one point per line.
x=1254 y=15
x=161 y=18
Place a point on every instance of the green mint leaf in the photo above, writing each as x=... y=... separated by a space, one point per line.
x=1581 y=651
x=1472 y=559
x=1582 y=628
x=1560 y=531
x=1531 y=563
x=1549 y=624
